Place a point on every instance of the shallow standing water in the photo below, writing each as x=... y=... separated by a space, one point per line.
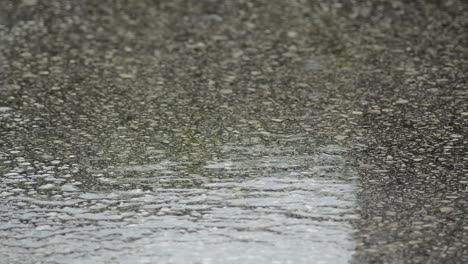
x=256 y=204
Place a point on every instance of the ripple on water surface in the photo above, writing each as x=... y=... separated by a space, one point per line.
x=268 y=208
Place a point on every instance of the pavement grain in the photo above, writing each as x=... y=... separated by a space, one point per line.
x=85 y=85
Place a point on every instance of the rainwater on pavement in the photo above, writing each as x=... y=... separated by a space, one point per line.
x=261 y=131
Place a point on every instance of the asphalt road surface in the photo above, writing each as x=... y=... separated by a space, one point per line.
x=210 y=131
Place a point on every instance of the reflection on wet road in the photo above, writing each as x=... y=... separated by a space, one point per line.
x=264 y=206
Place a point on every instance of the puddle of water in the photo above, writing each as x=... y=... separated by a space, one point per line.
x=264 y=206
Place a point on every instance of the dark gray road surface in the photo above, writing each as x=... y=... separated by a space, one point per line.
x=233 y=131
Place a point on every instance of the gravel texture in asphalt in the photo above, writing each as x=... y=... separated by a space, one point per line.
x=98 y=87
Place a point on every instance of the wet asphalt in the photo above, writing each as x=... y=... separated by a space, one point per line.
x=195 y=131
